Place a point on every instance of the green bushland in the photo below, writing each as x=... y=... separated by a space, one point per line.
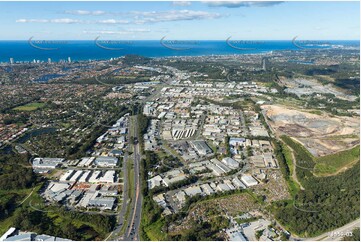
x=354 y=237
x=304 y=159
x=323 y=165
x=17 y=181
x=59 y=222
x=285 y=162
x=332 y=163
x=326 y=203
x=55 y=220
x=152 y=221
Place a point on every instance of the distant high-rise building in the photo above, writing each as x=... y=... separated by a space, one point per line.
x=69 y=59
x=49 y=60
x=11 y=60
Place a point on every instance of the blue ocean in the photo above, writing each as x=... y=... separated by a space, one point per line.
x=42 y=50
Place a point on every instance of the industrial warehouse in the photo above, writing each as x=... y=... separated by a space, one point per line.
x=85 y=189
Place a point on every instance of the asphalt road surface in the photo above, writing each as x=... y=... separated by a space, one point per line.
x=133 y=222
x=132 y=231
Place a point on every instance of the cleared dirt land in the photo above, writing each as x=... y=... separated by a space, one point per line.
x=216 y=210
x=307 y=86
x=320 y=134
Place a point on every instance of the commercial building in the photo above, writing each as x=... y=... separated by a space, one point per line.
x=106 y=161
x=229 y=183
x=76 y=176
x=86 y=161
x=220 y=165
x=193 y=190
x=173 y=176
x=216 y=170
x=85 y=176
x=42 y=165
x=155 y=182
x=230 y=162
x=201 y=147
x=59 y=192
x=95 y=177
x=237 y=142
x=235 y=234
x=116 y=153
x=206 y=188
x=108 y=177
x=181 y=196
x=269 y=161
x=237 y=183
x=14 y=234
x=104 y=203
x=248 y=180
x=66 y=176
x=222 y=187
x=160 y=200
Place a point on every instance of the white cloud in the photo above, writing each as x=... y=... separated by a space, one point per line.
x=112 y=21
x=136 y=17
x=174 y=15
x=65 y=21
x=111 y=32
x=32 y=20
x=238 y=4
x=85 y=12
x=182 y=3
x=58 y=21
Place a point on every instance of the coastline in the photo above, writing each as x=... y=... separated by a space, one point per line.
x=82 y=51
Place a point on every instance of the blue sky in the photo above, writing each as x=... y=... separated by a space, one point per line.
x=180 y=20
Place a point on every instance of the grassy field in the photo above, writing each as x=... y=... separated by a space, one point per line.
x=172 y=151
x=292 y=185
x=288 y=157
x=154 y=231
x=30 y=107
x=5 y=224
x=331 y=164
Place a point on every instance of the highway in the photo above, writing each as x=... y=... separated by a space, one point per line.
x=132 y=230
x=130 y=219
x=133 y=222
x=129 y=216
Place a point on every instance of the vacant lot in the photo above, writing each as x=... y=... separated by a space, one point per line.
x=275 y=188
x=212 y=209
